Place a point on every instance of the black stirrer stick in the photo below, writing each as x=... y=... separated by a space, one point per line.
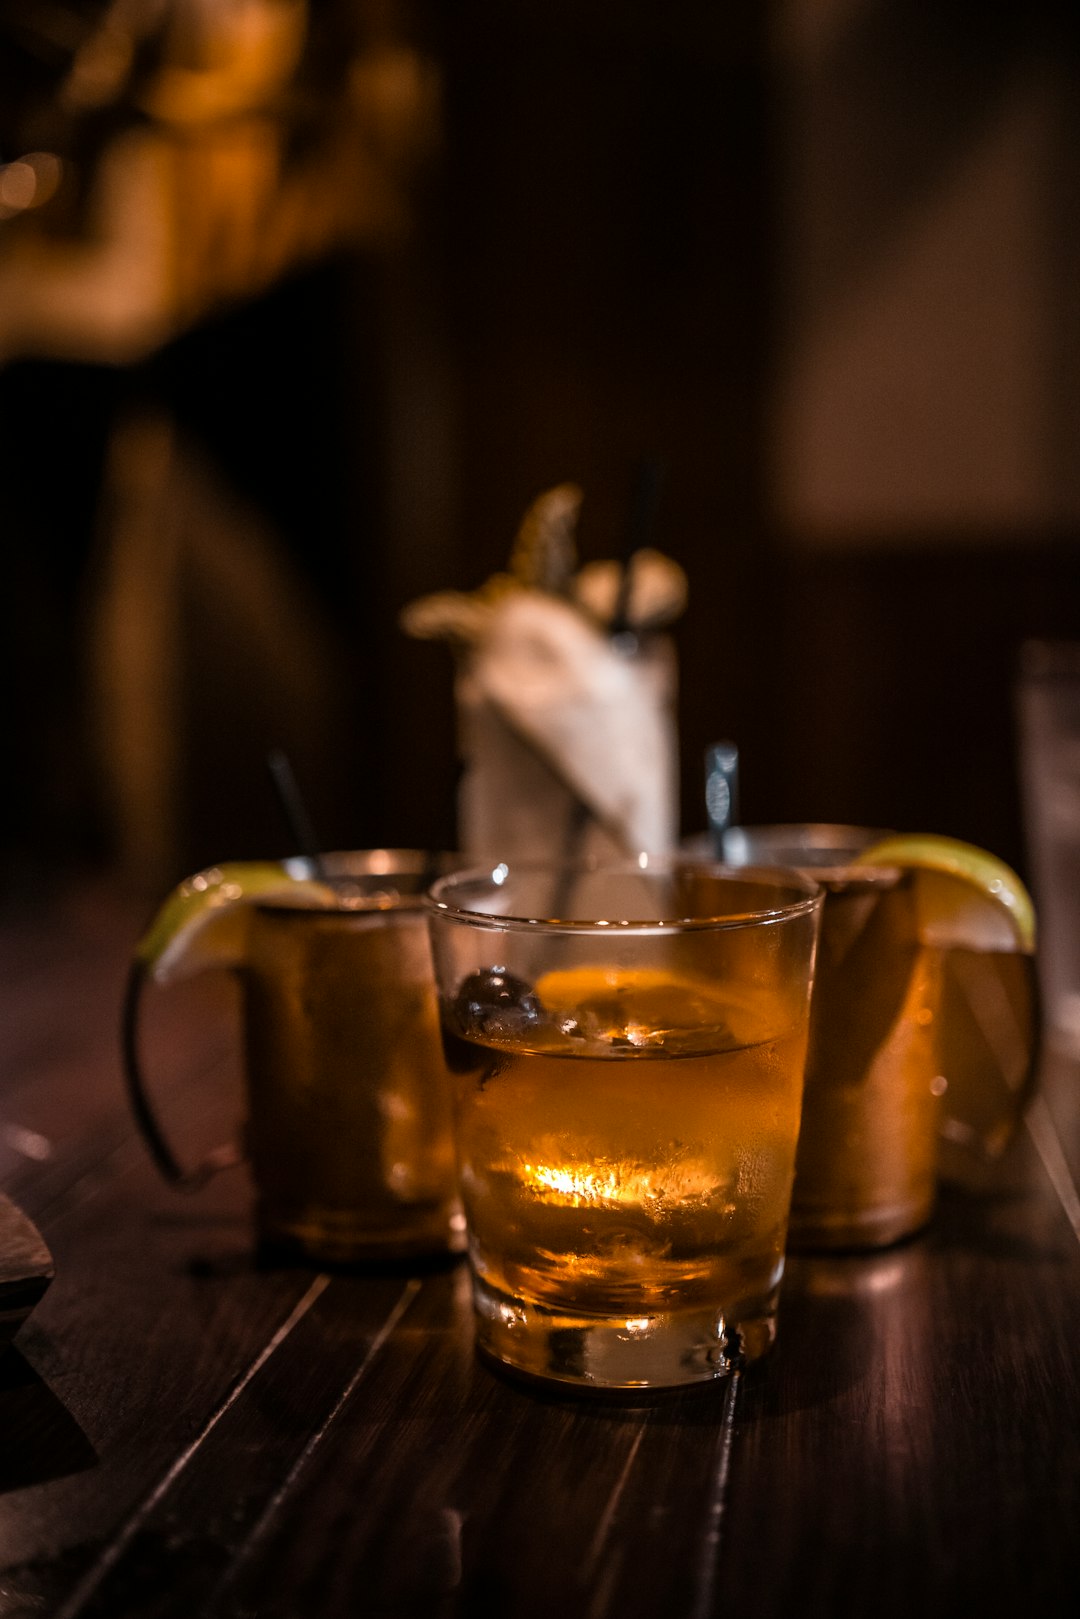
x=295 y=811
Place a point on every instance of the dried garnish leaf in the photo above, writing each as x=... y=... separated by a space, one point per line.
x=545 y=551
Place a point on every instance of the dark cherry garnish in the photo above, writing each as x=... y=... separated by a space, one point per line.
x=495 y=1002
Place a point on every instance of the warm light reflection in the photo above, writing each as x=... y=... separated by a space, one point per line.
x=241 y=147
x=28 y=182
x=620 y=1184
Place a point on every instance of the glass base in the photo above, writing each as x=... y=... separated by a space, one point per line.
x=607 y=1353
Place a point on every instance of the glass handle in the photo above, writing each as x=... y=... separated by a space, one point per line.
x=185 y=1180
x=992 y=1079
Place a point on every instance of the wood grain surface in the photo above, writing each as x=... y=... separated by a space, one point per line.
x=187 y=1431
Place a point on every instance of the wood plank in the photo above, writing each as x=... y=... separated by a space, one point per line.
x=26 y=1268
x=155 y=1333
x=158 y=1311
x=189 y=1433
x=441 y=1487
x=912 y=1447
x=185 y=1534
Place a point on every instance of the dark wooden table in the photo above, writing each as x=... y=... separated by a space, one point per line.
x=184 y=1432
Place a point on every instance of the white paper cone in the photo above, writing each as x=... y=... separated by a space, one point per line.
x=554 y=714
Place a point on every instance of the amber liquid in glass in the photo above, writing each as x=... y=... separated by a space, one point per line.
x=635 y=1169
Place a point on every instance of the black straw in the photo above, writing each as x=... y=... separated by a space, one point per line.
x=295 y=811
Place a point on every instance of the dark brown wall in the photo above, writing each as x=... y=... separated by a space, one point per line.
x=604 y=265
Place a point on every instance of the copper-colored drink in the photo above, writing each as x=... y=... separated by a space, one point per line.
x=639 y=1165
x=867 y=1163
x=910 y=1059
x=628 y=1043
x=349 y=1124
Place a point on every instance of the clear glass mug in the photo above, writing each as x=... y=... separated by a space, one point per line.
x=899 y=1086
x=348 y=1127
x=628 y=1046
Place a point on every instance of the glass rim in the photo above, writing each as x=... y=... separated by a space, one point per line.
x=807 y=835
x=810 y=894
x=355 y=866
x=827 y=848
x=342 y=864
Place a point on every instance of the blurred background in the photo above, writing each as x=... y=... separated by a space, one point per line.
x=302 y=302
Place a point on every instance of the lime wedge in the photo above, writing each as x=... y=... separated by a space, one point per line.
x=965 y=896
x=974 y=909
x=204 y=922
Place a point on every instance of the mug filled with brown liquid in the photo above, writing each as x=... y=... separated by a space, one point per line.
x=924 y=1025
x=348 y=1128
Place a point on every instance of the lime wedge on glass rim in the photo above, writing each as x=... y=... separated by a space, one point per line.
x=974 y=909
x=205 y=921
